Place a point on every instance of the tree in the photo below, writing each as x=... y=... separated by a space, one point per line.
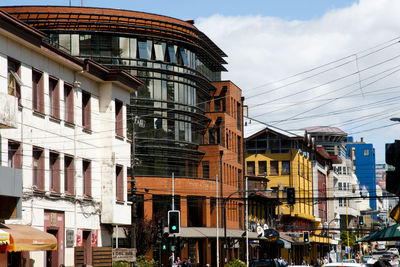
x=146 y=234
x=343 y=237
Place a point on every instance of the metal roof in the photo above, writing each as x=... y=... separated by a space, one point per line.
x=252 y=127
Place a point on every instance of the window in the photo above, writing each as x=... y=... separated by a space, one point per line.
x=366 y=152
x=69 y=103
x=206 y=169
x=211 y=136
x=85 y=110
x=250 y=168
x=285 y=167
x=217 y=105
x=262 y=167
x=340 y=186
x=144 y=49
x=87 y=178
x=69 y=171
x=118 y=118
x=238 y=116
x=37 y=91
x=54 y=96
x=54 y=172
x=14 y=80
x=239 y=146
x=14 y=155
x=38 y=168
x=119 y=173
x=274 y=170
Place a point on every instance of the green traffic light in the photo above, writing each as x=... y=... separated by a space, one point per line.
x=174 y=227
x=164 y=247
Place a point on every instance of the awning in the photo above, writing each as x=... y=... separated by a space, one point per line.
x=28 y=238
x=388 y=234
x=4 y=238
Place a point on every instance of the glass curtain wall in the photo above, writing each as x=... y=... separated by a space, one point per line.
x=169 y=103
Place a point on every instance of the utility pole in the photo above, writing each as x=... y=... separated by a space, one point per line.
x=133 y=187
x=221 y=153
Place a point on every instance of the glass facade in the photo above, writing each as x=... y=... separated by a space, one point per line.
x=171 y=104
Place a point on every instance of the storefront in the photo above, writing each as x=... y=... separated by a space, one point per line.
x=17 y=240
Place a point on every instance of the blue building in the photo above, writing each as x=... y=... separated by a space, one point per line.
x=365 y=165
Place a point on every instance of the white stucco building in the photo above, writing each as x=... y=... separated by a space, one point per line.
x=66 y=134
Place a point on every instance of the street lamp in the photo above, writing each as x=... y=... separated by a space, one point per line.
x=395 y=119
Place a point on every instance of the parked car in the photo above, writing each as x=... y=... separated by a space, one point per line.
x=394 y=251
x=377 y=254
x=349 y=261
x=342 y=264
x=264 y=263
x=366 y=258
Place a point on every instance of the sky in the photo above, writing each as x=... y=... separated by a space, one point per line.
x=301 y=63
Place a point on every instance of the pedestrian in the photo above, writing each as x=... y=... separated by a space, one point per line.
x=304 y=262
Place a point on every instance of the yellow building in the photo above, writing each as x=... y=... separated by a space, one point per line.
x=281 y=160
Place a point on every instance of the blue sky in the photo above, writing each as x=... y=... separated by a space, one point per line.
x=269 y=41
x=183 y=9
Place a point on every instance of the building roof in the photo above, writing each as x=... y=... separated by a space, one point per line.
x=325 y=130
x=252 y=127
x=123 y=22
x=35 y=38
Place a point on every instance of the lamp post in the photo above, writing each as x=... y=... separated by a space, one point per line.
x=395 y=119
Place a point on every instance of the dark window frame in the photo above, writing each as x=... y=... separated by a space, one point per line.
x=69 y=175
x=68 y=103
x=119 y=182
x=87 y=178
x=54 y=97
x=54 y=171
x=37 y=91
x=86 y=110
x=119 y=123
x=38 y=168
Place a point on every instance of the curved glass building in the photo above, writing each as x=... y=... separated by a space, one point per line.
x=175 y=60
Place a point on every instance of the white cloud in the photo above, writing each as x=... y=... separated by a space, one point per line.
x=263 y=49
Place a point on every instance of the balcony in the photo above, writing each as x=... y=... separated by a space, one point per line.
x=10 y=192
x=8 y=111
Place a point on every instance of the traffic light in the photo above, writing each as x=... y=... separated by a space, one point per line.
x=164 y=241
x=174 y=221
x=160 y=229
x=393 y=172
x=291 y=195
x=361 y=220
x=306 y=237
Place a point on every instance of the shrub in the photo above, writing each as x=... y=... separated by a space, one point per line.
x=236 y=263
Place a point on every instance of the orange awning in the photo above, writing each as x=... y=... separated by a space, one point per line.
x=28 y=238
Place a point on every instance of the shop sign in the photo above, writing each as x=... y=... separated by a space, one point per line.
x=124 y=254
x=69 y=238
x=271 y=235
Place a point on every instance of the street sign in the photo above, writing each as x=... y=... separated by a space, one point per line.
x=124 y=254
x=395 y=213
x=347 y=250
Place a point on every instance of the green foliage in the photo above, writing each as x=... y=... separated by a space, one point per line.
x=121 y=264
x=236 y=263
x=343 y=237
x=142 y=262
